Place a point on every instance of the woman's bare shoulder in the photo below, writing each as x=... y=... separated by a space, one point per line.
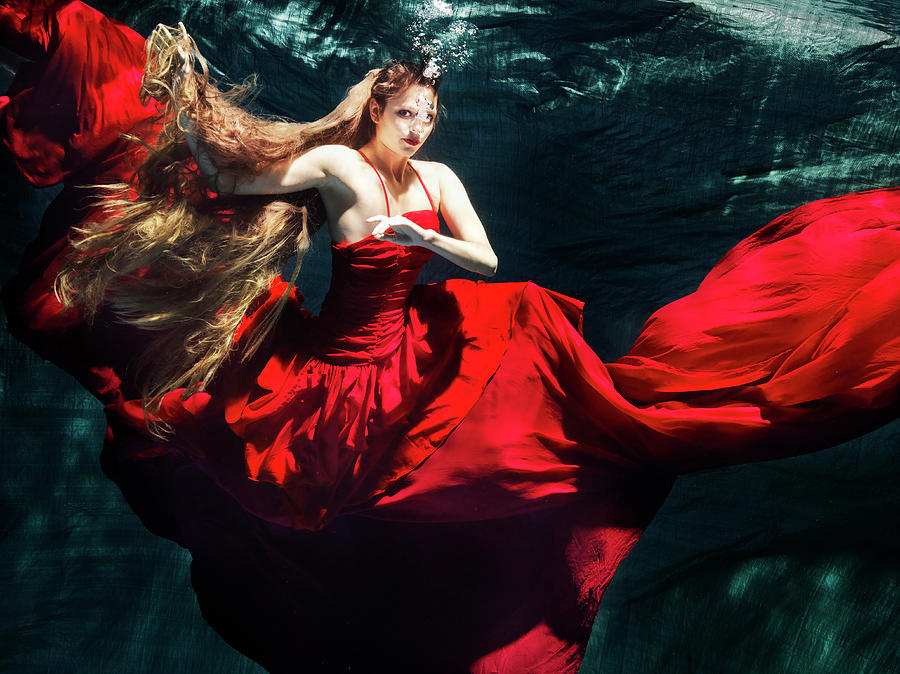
x=339 y=165
x=329 y=156
x=433 y=167
x=435 y=172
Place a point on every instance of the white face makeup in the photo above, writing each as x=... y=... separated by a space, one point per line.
x=424 y=109
x=407 y=120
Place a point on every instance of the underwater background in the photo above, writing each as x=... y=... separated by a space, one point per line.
x=615 y=151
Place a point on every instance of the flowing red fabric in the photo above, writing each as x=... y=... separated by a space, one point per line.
x=791 y=344
x=368 y=455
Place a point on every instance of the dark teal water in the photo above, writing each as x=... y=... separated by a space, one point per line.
x=615 y=150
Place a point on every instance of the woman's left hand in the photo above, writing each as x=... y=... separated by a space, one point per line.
x=399 y=230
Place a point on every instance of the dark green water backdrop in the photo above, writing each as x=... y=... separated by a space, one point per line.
x=615 y=151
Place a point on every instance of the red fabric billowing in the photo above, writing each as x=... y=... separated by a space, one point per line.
x=789 y=345
x=794 y=333
x=64 y=112
x=458 y=415
x=62 y=121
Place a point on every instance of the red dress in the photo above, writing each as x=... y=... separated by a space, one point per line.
x=446 y=476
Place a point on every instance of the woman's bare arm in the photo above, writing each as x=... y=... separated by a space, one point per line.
x=293 y=174
x=469 y=238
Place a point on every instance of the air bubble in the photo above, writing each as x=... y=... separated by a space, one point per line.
x=441 y=41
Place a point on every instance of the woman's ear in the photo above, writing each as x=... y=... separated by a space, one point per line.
x=374 y=111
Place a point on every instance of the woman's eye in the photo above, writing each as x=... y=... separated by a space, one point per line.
x=404 y=113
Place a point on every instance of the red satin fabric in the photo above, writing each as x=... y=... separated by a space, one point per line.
x=55 y=128
x=791 y=344
x=469 y=409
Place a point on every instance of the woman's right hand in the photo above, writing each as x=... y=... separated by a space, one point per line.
x=187 y=65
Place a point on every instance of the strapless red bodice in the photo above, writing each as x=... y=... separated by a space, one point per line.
x=364 y=314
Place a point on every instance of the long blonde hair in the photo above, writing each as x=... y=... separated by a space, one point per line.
x=185 y=267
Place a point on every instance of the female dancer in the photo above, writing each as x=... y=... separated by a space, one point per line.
x=419 y=451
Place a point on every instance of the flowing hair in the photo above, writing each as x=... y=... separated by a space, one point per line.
x=184 y=265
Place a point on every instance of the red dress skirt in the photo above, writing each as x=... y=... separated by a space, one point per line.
x=443 y=477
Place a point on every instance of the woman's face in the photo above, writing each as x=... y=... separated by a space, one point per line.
x=406 y=120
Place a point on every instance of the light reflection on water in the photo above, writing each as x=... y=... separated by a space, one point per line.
x=807 y=28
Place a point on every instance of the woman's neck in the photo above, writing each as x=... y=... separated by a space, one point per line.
x=390 y=164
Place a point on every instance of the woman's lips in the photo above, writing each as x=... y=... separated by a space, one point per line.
x=411 y=141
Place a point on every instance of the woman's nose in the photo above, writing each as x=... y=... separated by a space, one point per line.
x=417 y=126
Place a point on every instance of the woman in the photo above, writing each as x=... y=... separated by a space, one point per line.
x=399 y=117
x=429 y=437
